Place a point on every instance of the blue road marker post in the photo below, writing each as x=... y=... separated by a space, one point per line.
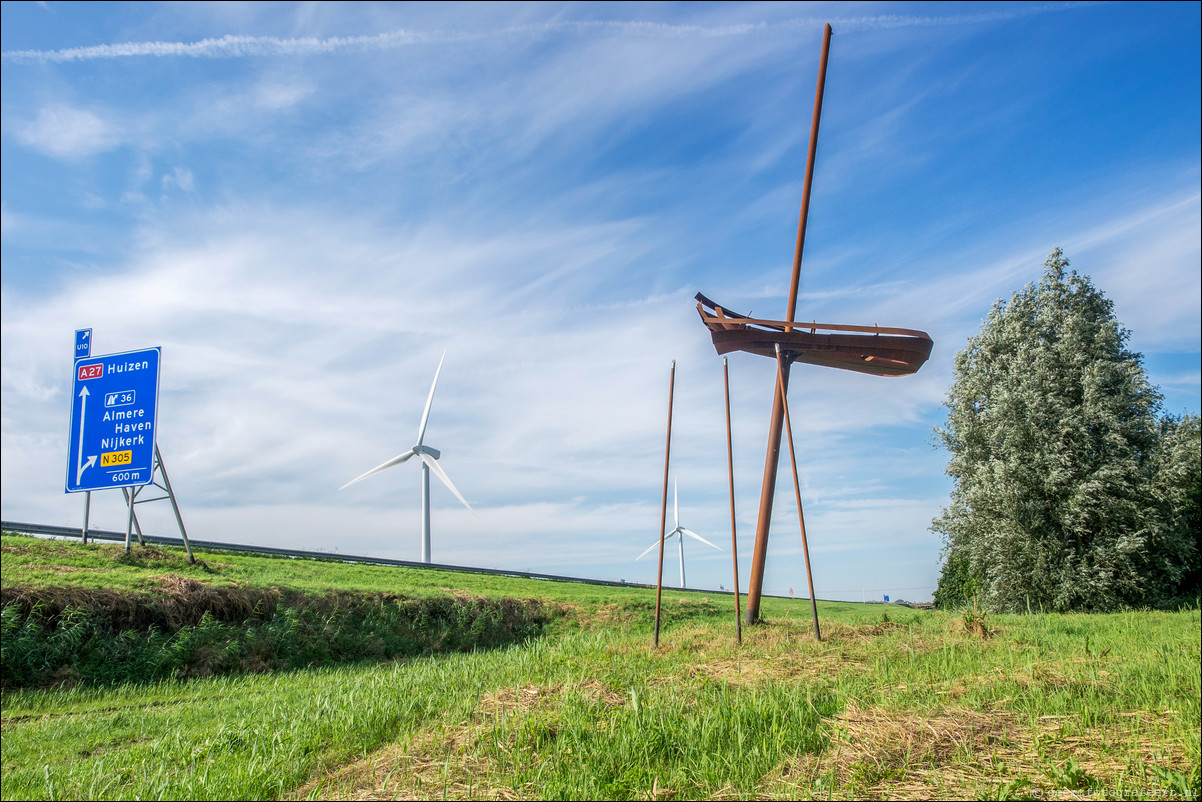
x=83 y=343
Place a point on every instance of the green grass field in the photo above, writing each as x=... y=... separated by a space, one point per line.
x=893 y=703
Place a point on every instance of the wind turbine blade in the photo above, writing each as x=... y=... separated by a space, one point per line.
x=676 y=502
x=446 y=480
x=421 y=430
x=696 y=536
x=397 y=460
x=650 y=548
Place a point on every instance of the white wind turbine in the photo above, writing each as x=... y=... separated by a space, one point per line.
x=679 y=532
x=429 y=457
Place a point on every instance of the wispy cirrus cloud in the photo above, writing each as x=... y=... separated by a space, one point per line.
x=238 y=46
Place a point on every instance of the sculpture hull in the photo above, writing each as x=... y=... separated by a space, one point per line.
x=864 y=349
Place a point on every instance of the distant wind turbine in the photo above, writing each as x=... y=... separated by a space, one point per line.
x=679 y=532
x=429 y=457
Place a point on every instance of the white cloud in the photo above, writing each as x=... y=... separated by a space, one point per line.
x=276 y=96
x=180 y=177
x=66 y=132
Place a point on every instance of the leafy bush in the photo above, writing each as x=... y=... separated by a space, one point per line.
x=1072 y=492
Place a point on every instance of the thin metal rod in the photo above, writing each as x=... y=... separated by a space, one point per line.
x=179 y=519
x=87 y=509
x=730 y=466
x=663 y=514
x=805 y=548
x=772 y=457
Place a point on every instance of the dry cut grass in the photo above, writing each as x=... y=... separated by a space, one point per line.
x=452 y=762
x=966 y=754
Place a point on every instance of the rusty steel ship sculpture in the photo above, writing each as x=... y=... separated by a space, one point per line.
x=874 y=350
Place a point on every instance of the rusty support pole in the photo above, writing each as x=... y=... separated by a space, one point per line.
x=663 y=514
x=772 y=458
x=730 y=465
x=805 y=548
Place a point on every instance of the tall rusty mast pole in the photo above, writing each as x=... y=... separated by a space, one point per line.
x=764 y=521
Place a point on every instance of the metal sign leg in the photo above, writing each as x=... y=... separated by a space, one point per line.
x=87 y=510
x=131 y=497
x=179 y=519
x=129 y=524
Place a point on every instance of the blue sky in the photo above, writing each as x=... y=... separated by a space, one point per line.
x=305 y=204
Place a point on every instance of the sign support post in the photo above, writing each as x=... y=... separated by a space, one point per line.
x=129 y=524
x=113 y=431
x=179 y=519
x=87 y=508
x=131 y=495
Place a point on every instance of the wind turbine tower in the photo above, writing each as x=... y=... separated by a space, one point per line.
x=679 y=532
x=429 y=457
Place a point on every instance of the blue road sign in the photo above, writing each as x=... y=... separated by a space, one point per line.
x=113 y=420
x=83 y=343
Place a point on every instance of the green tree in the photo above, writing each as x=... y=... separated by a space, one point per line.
x=1071 y=493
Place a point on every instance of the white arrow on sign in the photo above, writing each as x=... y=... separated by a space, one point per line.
x=83 y=466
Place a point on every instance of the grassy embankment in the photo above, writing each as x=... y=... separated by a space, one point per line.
x=919 y=705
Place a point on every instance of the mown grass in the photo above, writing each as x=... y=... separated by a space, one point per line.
x=36 y=562
x=916 y=706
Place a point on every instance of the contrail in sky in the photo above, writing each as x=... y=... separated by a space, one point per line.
x=230 y=46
